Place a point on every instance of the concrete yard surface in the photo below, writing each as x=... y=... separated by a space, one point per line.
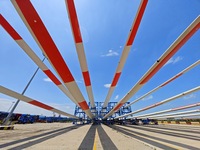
x=62 y=136
x=58 y=136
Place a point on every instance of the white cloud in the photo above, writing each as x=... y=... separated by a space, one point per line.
x=148 y=98
x=47 y=80
x=107 y=85
x=110 y=53
x=69 y=108
x=191 y=96
x=116 y=97
x=134 y=49
x=177 y=59
x=79 y=81
x=6 y=104
x=120 y=47
x=174 y=60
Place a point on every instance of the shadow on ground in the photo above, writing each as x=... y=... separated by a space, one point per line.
x=42 y=137
x=88 y=141
x=181 y=135
x=148 y=138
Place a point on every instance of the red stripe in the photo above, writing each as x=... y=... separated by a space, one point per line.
x=178 y=46
x=86 y=77
x=36 y=103
x=45 y=39
x=151 y=106
x=171 y=79
x=84 y=105
x=137 y=23
x=118 y=106
x=198 y=26
x=9 y=28
x=116 y=78
x=52 y=77
x=74 y=21
x=183 y=107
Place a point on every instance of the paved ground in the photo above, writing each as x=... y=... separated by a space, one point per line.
x=165 y=136
x=62 y=136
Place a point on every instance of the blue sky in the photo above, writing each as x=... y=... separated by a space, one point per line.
x=104 y=26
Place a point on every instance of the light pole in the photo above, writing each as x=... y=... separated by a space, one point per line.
x=6 y=120
x=10 y=106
